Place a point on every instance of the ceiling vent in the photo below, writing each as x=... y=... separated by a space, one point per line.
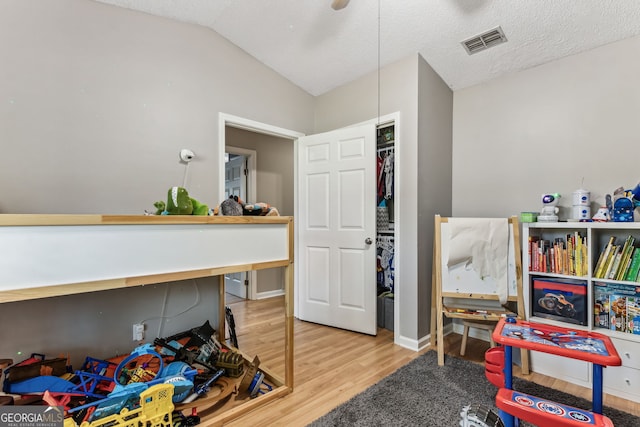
x=484 y=41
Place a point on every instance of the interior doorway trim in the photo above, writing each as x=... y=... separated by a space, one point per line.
x=225 y=120
x=250 y=125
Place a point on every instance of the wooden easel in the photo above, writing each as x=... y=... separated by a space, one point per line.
x=439 y=310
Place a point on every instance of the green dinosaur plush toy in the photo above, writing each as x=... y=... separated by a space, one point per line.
x=179 y=203
x=159 y=205
x=199 y=208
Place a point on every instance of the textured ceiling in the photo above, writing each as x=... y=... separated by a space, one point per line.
x=318 y=48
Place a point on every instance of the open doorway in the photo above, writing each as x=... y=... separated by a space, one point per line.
x=273 y=181
x=240 y=181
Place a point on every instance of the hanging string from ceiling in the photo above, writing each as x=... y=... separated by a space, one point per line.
x=378 y=62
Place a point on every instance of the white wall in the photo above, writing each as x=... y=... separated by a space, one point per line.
x=97 y=101
x=545 y=129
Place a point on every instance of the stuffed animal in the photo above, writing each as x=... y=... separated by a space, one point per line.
x=199 y=208
x=234 y=206
x=259 y=209
x=179 y=203
x=231 y=207
x=159 y=205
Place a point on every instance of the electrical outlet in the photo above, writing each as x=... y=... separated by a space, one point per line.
x=138 y=331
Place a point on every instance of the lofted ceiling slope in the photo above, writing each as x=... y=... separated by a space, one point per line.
x=318 y=48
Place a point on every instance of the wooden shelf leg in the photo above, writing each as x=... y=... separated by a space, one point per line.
x=463 y=344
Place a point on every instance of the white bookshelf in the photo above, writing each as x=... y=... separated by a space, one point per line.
x=623 y=381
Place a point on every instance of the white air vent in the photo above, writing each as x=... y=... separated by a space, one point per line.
x=484 y=41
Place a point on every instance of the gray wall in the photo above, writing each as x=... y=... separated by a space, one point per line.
x=435 y=101
x=97 y=101
x=99 y=324
x=423 y=100
x=545 y=129
x=95 y=104
x=274 y=175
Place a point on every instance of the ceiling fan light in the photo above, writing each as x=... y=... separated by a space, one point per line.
x=339 y=4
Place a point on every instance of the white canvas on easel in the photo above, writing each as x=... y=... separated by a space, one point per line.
x=459 y=291
x=462 y=278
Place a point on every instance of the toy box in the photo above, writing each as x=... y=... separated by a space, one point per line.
x=528 y=216
x=563 y=300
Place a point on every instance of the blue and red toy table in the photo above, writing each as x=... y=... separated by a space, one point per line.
x=580 y=345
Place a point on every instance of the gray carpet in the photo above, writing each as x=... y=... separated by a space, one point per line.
x=422 y=393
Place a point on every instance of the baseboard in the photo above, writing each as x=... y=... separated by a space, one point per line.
x=270 y=294
x=421 y=343
x=453 y=327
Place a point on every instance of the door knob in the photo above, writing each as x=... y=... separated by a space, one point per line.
x=368 y=241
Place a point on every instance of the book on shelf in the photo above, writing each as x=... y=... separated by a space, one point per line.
x=600 y=306
x=634 y=267
x=616 y=306
x=627 y=250
x=610 y=260
x=578 y=253
x=572 y=256
x=562 y=255
x=614 y=265
x=602 y=260
x=622 y=271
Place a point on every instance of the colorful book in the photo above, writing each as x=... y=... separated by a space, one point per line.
x=614 y=265
x=622 y=271
x=632 y=272
x=626 y=253
x=618 y=313
x=609 y=262
x=572 y=256
x=578 y=256
x=600 y=266
x=601 y=306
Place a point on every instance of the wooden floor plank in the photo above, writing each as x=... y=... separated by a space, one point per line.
x=332 y=365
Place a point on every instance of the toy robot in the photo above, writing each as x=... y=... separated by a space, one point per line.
x=550 y=208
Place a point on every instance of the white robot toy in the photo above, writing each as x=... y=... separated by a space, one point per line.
x=550 y=208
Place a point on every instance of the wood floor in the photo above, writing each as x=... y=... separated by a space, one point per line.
x=332 y=365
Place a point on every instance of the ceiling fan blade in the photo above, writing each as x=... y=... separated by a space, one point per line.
x=339 y=4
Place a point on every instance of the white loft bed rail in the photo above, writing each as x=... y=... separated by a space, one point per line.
x=50 y=255
x=53 y=255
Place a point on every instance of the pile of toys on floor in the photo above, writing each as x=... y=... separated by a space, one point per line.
x=152 y=385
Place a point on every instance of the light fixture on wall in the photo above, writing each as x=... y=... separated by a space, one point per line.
x=186 y=156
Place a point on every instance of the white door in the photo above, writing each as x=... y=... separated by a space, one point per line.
x=235 y=184
x=336 y=223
